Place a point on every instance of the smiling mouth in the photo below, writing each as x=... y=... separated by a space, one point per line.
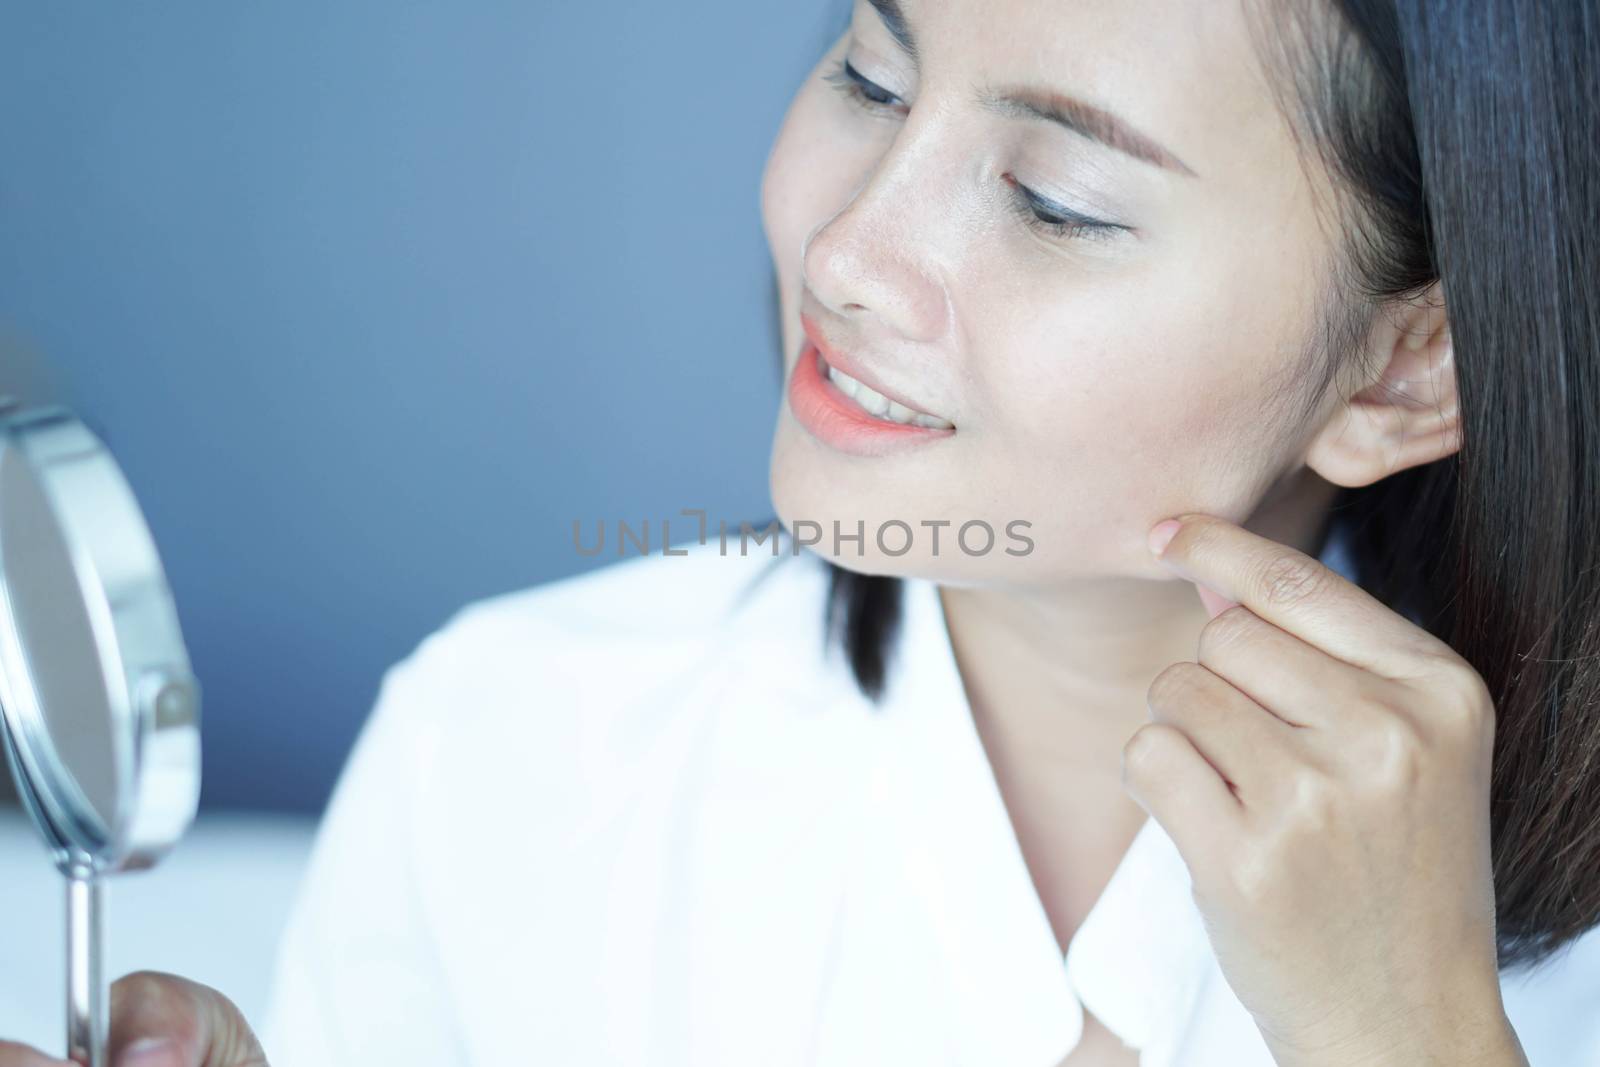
x=875 y=403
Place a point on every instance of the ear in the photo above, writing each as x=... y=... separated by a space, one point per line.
x=1408 y=416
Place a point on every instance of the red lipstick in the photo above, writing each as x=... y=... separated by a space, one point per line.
x=837 y=420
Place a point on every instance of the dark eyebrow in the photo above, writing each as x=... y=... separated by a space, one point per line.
x=1081 y=118
x=894 y=20
x=1092 y=122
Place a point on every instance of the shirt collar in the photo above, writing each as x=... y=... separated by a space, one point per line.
x=1137 y=960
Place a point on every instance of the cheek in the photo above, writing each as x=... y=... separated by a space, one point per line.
x=809 y=177
x=782 y=193
x=1135 y=401
x=791 y=196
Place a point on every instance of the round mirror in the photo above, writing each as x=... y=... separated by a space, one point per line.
x=99 y=710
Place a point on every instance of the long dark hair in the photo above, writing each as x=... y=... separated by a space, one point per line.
x=1464 y=144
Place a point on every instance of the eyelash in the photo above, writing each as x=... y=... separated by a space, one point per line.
x=1065 y=224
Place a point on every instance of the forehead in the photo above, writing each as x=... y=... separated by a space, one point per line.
x=1185 y=72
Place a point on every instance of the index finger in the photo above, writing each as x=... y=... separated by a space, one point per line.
x=1298 y=594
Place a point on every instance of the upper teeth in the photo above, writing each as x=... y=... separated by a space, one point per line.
x=877 y=404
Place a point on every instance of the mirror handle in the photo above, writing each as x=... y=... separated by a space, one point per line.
x=86 y=992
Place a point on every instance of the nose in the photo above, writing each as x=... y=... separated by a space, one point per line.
x=875 y=257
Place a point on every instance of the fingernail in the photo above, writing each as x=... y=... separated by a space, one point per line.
x=150 y=1052
x=1161 y=535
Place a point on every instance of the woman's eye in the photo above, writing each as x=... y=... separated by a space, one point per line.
x=1034 y=211
x=1053 y=219
x=860 y=90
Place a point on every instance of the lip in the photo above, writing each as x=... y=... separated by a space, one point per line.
x=848 y=365
x=838 y=421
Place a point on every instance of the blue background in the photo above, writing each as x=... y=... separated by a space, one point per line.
x=372 y=300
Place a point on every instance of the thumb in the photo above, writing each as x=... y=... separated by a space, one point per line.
x=163 y=1020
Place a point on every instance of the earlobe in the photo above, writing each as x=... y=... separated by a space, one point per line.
x=1409 y=416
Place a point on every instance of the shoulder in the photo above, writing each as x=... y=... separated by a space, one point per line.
x=601 y=749
x=565 y=687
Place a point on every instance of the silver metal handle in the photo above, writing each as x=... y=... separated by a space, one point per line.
x=86 y=993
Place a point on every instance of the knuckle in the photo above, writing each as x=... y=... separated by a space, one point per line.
x=1174 y=682
x=1250 y=876
x=1147 y=749
x=1434 y=651
x=1312 y=800
x=1226 y=629
x=1470 y=696
x=1459 y=691
x=1289 y=580
x=1396 y=752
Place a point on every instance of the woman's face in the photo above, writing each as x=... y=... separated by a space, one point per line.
x=1098 y=376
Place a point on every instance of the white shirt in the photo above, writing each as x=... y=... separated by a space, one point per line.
x=622 y=818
